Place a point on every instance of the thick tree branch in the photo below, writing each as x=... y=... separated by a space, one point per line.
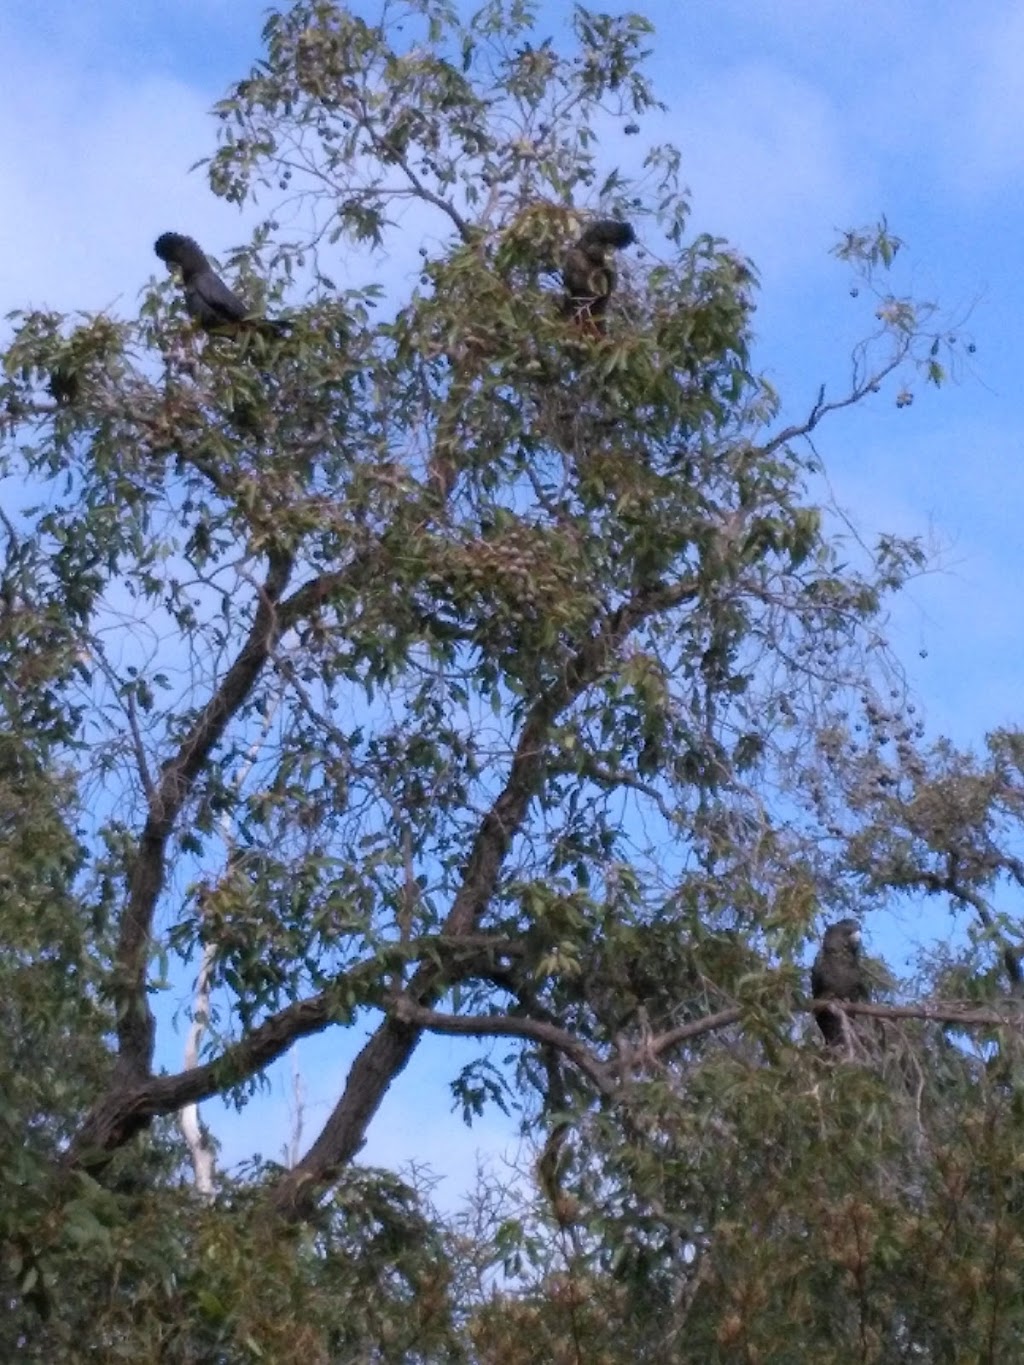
x=146 y=879
x=601 y=1071
x=390 y=1048
x=127 y=1108
x=509 y=1026
x=937 y=1011
x=169 y=794
x=130 y=1108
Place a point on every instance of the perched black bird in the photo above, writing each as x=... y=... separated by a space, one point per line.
x=587 y=273
x=64 y=386
x=207 y=298
x=838 y=974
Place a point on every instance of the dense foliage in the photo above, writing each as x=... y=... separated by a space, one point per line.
x=446 y=665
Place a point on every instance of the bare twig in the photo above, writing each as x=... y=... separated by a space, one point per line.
x=131 y=715
x=822 y=409
x=298 y=1113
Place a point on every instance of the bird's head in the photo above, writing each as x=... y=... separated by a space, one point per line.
x=844 y=934
x=175 y=248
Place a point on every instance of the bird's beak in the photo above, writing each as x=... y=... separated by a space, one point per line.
x=855 y=936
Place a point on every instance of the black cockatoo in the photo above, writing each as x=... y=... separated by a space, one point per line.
x=838 y=974
x=588 y=274
x=207 y=298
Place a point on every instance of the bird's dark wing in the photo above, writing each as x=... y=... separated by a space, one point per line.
x=860 y=989
x=576 y=274
x=588 y=280
x=210 y=302
x=818 y=987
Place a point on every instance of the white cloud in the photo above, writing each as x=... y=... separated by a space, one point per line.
x=96 y=172
x=766 y=160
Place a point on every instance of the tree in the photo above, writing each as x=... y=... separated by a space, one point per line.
x=444 y=666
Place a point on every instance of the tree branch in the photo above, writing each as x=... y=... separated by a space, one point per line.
x=952 y=885
x=955 y=1012
x=135 y=1028
x=128 y=1107
x=391 y=1046
x=694 y=1029
x=822 y=409
x=124 y=1112
x=508 y=1026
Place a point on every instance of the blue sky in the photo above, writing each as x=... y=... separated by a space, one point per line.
x=795 y=118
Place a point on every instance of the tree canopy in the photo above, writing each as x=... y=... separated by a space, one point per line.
x=448 y=666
